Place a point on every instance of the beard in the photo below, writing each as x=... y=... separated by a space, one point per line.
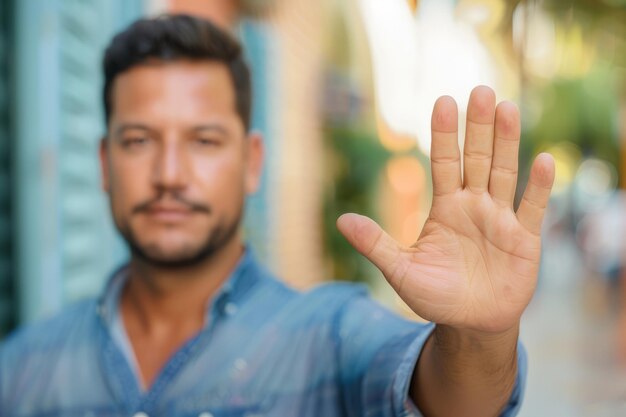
x=189 y=254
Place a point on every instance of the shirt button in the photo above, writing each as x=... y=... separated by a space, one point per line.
x=206 y=414
x=240 y=364
x=230 y=309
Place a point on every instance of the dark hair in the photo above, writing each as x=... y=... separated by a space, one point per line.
x=174 y=37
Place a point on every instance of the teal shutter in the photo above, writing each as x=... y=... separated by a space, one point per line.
x=89 y=247
x=7 y=294
x=66 y=243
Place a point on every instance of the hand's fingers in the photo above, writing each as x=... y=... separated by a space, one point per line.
x=444 y=152
x=503 y=178
x=532 y=208
x=479 y=139
x=371 y=241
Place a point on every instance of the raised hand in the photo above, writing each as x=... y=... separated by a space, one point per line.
x=476 y=261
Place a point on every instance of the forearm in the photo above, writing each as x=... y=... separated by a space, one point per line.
x=465 y=373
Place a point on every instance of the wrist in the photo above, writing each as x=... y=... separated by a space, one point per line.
x=478 y=369
x=452 y=340
x=507 y=334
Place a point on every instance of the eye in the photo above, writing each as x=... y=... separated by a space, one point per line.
x=207 y=141
x=134 y=142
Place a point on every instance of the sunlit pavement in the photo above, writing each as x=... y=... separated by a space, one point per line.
x=571 y=335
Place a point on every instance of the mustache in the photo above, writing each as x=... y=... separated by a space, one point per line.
x=188 y=204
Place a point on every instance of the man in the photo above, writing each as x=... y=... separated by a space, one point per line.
x=193 y=326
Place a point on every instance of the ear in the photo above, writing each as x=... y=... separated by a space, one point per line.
x=256 y=155
x=104 y=164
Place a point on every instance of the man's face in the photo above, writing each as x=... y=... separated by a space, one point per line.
x=177 y=163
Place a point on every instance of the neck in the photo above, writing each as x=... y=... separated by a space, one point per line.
x=163 y=300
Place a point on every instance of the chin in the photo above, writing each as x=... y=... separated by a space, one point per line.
x=174 y=260
x=172 y=255
x=169 y=252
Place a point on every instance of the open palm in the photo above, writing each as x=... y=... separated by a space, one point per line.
x=475 y=263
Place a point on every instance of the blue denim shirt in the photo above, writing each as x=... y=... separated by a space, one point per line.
x=266 y=350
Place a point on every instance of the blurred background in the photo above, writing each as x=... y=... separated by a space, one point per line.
x=343 y=95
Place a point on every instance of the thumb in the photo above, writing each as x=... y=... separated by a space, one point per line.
x=369 y=239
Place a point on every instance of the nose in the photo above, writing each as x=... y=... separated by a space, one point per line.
x=171 y=167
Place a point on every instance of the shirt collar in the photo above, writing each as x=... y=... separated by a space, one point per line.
x=242 y=279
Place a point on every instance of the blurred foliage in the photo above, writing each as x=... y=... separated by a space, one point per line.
x=355 y=161
x=581 y=111
x=593 y=8
x=603 y=23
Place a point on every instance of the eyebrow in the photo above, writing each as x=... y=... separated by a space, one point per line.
x=211 y=128
x=132 y=126
x=197 y=129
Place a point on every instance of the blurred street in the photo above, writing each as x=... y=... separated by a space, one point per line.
x=574 y=365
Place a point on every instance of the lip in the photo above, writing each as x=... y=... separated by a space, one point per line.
x=168 y=215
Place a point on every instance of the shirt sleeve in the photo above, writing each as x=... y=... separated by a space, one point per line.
x=378 y=352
